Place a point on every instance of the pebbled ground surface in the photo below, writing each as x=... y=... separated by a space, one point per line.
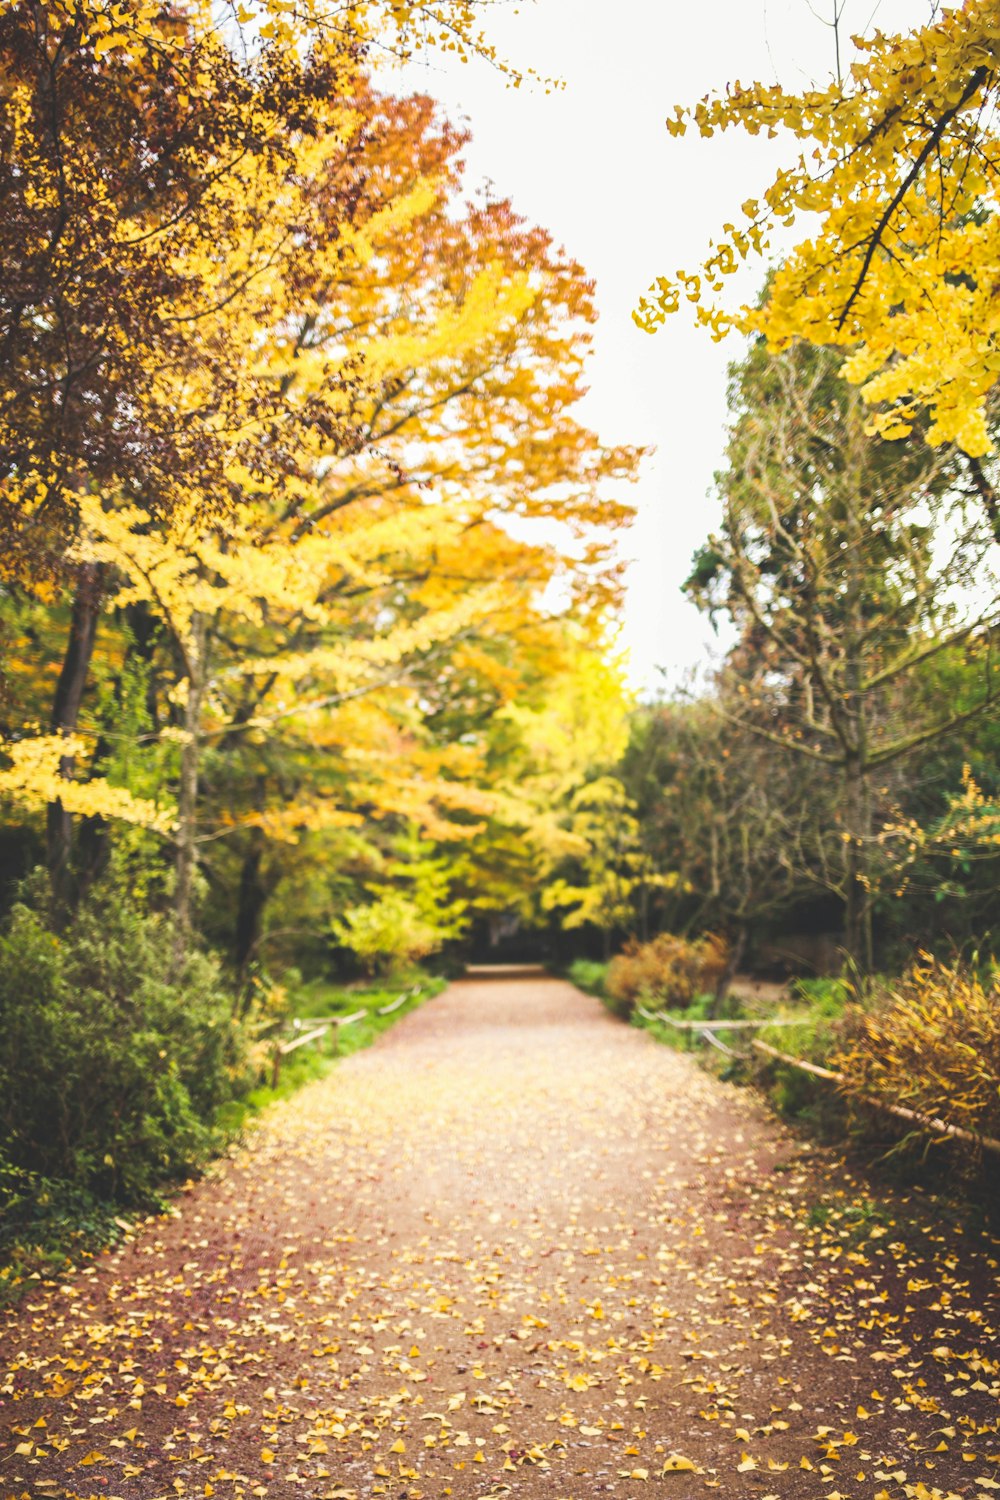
x=515 y=1249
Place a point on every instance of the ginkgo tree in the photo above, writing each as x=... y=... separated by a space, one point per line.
x=140 y=263
x=556 y=786
x=382 y=377
x=893 y=185
x=473 y=418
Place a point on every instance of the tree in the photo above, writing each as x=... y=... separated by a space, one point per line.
x=899 y=163
x=139 y=149
x=305 y=615
x=600 y=889
x=555 y=749
x=737 y=826
x=937 y=850
x=846 y=564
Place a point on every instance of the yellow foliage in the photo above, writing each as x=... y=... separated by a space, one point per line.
x=34 y=777
x=365 y=383
x=930 y=1042
x=899 y=163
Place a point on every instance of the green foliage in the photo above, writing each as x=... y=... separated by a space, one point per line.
x=588 y=975
x=700 y=1008
x=427 y=876
x=733 y=826
x=46 y=1224
x=824 y=996
x=795 y=1094
x=412 y=911
x=604 y=879
x=669 y=969
x=59 y=1199
x=387 y=932
x=798 y=1096
x=111 y=1071
x=856 y=579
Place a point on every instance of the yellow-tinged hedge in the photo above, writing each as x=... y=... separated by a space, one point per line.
x=929 y=1042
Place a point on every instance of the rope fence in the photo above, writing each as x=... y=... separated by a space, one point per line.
x=706 y=1031
x=741 y=1025
x=321 y=1026
x=926 y=1122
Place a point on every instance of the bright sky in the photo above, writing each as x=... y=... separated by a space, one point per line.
x=594 y=164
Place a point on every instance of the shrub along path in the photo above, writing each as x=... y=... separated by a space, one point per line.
x=516 y=1248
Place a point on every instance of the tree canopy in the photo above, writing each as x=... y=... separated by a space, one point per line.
x=894 y=188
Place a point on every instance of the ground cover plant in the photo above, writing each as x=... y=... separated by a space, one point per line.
x=588 y=974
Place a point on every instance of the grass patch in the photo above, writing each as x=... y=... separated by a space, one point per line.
x=816 y=1008
x=320 y=998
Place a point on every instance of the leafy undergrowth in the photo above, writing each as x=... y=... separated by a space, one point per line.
x=114 y=1062
x=670 y=970
x=929 y=1042
x=48 y=1224
x=812 y=1102
x=816 y=1006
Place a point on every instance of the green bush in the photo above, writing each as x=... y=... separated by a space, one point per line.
x=387 y=933
x=111 y=1069
x=669 y=969
x=588 y=975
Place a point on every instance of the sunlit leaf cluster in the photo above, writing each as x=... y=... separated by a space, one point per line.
x=892 y=184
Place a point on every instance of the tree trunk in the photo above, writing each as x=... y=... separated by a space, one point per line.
x=251 y=900
x=857 y=899
x=729 y=972
x=66 y=712
x=857 y=798
x=92 y=852
x=186 y=862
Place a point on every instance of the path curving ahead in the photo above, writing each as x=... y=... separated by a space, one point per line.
x=517 y=1248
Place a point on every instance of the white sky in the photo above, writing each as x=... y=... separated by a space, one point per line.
x=594 y=164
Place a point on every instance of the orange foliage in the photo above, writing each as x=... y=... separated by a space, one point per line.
x=669 y=968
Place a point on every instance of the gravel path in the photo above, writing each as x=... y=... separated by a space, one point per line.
x=517 y=1248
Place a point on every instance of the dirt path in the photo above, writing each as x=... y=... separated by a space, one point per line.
x=516 y=1248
